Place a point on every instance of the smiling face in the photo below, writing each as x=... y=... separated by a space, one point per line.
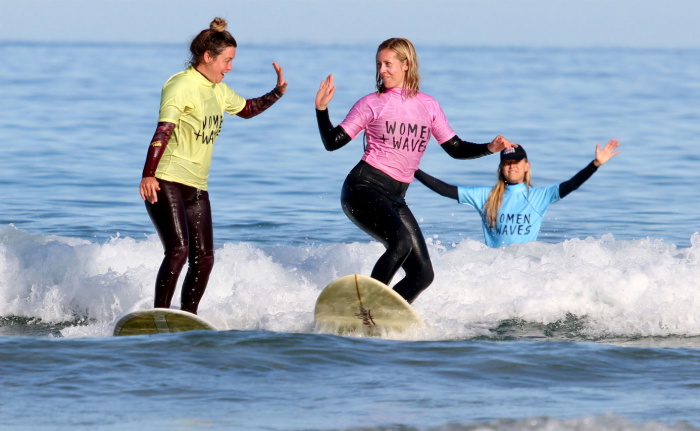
x=390 y=69
x=215 y=68
x=514 y=170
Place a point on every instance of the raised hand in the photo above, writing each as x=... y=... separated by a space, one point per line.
x=281 y=83
x=500 y=143
x=606 y=153
x=325 y=93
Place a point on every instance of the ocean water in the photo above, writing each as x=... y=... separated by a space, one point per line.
x=593 y=327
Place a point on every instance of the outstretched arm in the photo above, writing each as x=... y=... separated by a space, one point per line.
x=459 y=149
x=601 y=157
x=255 y=106
x=438 y=186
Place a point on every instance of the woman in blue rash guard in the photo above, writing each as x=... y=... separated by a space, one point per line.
x=512 y=210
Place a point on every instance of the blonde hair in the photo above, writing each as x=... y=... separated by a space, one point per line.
x=495 y=199
x=406 y=53
x=213 y=40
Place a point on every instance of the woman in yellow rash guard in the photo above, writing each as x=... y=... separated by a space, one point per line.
x=174 y=179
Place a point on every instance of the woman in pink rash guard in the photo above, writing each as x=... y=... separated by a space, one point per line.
x=398 y=121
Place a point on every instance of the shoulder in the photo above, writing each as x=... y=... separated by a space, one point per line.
x=426 y=98
x=429 y=103
x=180 y=78
x=474 y=191
x=372 y=98
x=544 y=190
x=225 y=89
x=370 y=101
x=549 y=193
x=177 y=89
x=474 y=196
x=180 y=84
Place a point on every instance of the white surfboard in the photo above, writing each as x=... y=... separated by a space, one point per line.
x=359 y=304
x=160 y=321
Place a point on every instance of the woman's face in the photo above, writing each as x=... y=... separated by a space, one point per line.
x=514 y=170
x=215 y=68
x=390 y=69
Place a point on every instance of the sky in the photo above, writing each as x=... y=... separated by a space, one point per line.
x=516 y=23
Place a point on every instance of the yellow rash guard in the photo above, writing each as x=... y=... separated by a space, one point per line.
x=196 y=106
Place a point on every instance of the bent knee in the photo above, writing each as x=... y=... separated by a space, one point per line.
x=427 y=276
x=204 y=261
x=421 y=274
x=177 y=255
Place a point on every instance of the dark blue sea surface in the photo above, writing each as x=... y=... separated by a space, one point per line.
x=267 y=380
x=593 y=327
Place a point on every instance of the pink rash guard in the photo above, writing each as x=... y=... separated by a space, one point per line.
x=397 y=130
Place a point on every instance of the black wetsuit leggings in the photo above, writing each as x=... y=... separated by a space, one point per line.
x=375 y=203
x=182 y=217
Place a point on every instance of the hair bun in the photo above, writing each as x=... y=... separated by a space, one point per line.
x=219 y=24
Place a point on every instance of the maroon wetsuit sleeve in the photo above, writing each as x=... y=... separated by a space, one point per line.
x=255 y=106
x=155 y=151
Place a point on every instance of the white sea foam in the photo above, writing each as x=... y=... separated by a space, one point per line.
x=612 y=288
x=607 y=422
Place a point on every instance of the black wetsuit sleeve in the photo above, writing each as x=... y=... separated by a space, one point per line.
x=575 y=182
x=438 y=186
x=459 y=149
x=332 y=137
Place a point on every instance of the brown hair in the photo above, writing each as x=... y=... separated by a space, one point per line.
x=495 y=199
x=406 y=53
x=213 y=40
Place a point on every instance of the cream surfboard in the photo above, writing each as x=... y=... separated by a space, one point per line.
x=160 y=321
x=359 y=304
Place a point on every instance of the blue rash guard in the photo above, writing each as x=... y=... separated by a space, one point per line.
x=521 y=213
x=522 y=209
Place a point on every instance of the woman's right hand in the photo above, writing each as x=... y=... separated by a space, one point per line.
x=499 y=144
x=325 y=93
x=149 y=188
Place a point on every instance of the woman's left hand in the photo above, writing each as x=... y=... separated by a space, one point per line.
x=499 y=144
x=602 y=155
x=281 y=83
